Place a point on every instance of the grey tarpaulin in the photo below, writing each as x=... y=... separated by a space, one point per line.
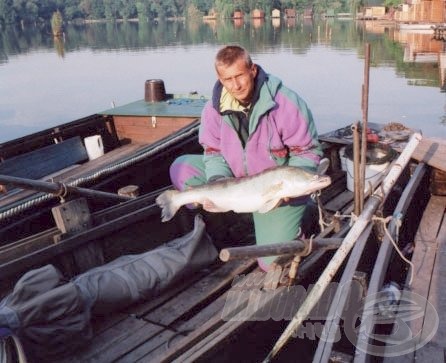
x=49 y=314
x=45 y=311
x=131 y=278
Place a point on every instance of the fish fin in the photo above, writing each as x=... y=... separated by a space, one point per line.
x=165 y=202
x=323 y=166
x=273 y=189
x=271 y=204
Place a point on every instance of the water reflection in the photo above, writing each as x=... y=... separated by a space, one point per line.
x=59 y=46
x=264 y=33
x=416 y=56
x=302 y=50
x=391 y=47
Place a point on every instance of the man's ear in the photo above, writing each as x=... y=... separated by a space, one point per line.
x=254 y=70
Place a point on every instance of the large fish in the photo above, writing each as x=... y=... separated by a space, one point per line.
x=257 y=193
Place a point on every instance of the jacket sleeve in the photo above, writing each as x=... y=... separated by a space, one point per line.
x=216 y=166
x=300 y=136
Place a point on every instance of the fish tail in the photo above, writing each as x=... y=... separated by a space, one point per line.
x=165 y=202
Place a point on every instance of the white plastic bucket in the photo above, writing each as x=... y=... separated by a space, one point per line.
x=373 y=170
x=94 y=146
x=343 y=158
x=372 y=174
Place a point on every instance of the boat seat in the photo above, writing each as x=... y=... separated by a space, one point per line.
x=45 y=161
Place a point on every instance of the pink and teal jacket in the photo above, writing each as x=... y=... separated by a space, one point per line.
x=280 y=131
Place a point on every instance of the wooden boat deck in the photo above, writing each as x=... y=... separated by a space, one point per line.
x=429 y=281
x=168 y=326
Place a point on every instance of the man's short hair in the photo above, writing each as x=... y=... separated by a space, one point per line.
x=227 y=55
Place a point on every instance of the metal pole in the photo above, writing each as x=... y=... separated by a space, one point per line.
x=356 y=170
x=59 y=189
x=360 y=224
x=277 y=249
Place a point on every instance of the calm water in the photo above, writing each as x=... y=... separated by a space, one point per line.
x=44 y=82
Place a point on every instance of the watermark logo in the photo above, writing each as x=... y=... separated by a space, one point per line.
x=377 y=324
x=409 y=324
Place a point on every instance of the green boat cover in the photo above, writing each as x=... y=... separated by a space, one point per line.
x=173 y=106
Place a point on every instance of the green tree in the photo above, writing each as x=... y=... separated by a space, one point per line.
x=392 y=3
x=127 y=9
x=26 y=10
x=111 y=9
x=224 y=8
x=7 y=12
x=143 y=10
x=97 y=9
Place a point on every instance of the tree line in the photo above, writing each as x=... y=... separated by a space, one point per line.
x=41 y=11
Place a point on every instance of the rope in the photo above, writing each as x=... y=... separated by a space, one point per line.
x=63 y=192
x=321 y=211
x=384 y=222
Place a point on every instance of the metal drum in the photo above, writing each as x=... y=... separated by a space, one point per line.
x=154 y=90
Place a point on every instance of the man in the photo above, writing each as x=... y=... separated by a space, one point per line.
x=253 y=122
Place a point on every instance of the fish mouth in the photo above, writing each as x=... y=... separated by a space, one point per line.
x=320 y=183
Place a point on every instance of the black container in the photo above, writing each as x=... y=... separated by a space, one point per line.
x=154 y=90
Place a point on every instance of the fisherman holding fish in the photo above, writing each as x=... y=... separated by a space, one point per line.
x=252 y=123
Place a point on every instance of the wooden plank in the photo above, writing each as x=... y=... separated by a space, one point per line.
x=148 y=129
x=437 y=298
x=432 y=151
x=27 y=245
x=423 y=259
x=128 y=335
x=340 y=201
x=216 y=331
x=187 y=333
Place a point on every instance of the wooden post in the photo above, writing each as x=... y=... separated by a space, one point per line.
x=365 y=111
x=71 y=218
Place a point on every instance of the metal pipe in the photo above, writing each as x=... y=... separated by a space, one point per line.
x=277 y=249
x=356 y=162
x=59 y=189
x=360 y=224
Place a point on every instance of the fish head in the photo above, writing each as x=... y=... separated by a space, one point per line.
x=318 y=182
x=304 y=183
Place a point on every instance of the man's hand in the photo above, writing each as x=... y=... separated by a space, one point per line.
x=282 y=201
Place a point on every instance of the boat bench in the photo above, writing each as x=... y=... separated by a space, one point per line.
x=47 y=160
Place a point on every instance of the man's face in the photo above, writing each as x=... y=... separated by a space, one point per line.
x=238 y=79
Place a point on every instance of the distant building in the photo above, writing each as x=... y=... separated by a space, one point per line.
x=373 y=13
x=421 y=11
x=308 y=13
x=290 y=13
x=238 y=14
x=257 y=13
x=275 y=13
